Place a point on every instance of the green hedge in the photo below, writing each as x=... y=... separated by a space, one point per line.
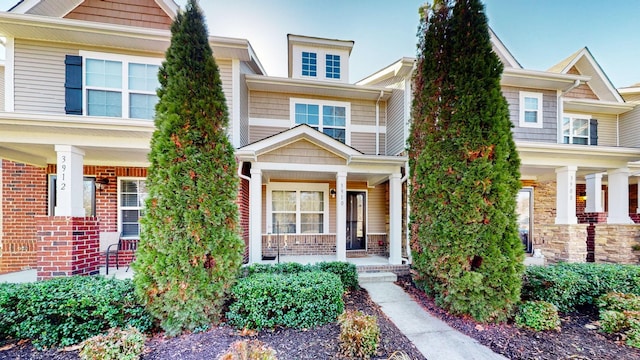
x=66 y=311
x=572 y=285
x=346 y=271
x=300 y=300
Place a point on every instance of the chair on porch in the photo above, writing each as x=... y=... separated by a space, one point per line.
x=117 y=246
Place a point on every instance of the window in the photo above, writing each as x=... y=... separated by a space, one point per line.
x=575 y=129
x=333 y=66
x=131 y=196
x=119 y=86
x=297 y=208
x=88 y=195
x=309 y=64
x=530 y=109
x=330 y=118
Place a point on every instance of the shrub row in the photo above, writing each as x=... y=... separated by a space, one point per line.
x=65 y=311
x=620 y=313
x=346 y=271
x=300 y=300
x=569 y=286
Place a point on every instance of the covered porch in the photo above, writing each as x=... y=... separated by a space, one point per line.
x=311 y=195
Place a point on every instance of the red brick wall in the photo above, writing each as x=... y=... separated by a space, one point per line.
x=67 y=246
x=243 y=210
x=24 y=196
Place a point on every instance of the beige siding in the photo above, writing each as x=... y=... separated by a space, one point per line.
x=378 y=209
x=549 y=131
x=269 y=105
x=395 y=123
x=363 y=112
x=2 y=69
x=257 y=133
x=631 y=97
x=607 y=129
x=39 y=77
x=302 y=152
x=630 y=128
x=226 y=76
x=143 y=13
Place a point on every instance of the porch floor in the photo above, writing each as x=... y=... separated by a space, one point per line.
x=31 y=275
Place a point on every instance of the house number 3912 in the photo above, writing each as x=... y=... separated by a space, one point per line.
x=63 y=173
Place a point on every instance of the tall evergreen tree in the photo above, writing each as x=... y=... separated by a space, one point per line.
x=190 y=249
x=465 y=168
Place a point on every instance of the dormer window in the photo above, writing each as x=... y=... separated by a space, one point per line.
x=309 y=64
x=333 y=66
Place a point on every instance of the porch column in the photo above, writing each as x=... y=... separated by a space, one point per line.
x=594 y=189
x=566 y=195
x=255 y=216
x=69 y=181
x=638 y=197
x=341 y=217
x=619 y=197
x=395 y=219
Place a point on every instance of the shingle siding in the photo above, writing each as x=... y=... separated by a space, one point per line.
x=549 y=131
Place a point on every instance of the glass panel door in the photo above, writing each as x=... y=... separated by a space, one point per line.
x=524 y=209
x=356 y=215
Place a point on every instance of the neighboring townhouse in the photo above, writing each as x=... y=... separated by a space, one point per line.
x=76 y=120
x=322 y=161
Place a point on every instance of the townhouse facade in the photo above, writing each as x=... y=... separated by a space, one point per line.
x=321 y=160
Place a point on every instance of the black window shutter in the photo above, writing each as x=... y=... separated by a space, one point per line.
x=593 y=132
x=73 y=85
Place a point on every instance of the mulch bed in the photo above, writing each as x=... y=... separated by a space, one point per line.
x=317 y=343
x=573 y=341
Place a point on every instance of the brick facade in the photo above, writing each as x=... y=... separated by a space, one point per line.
x=243 y=212
x=24 y=196
x=67 y=246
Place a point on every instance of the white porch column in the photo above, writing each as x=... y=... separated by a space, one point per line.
x=619 y=197
x=69 y=181
x=395 y=219
x=566 y=195
x=594 y=190
x=341 y=217
x=638 y=189
x=255 y=216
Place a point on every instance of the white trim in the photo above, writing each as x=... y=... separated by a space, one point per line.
x=119 y=200
x=125 y=60
x=9 y=74
x=24 y=6
x=298 y=187
x=235 y=95
x=321 y=104
x=539 y=115
x=1 y=207
x=368 y=129
x=279 y=123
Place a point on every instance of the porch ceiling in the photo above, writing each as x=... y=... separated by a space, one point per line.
x=277 y=175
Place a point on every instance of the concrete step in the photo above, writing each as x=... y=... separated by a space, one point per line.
x=376 y=277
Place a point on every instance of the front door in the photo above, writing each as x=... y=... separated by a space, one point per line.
x=356 y=210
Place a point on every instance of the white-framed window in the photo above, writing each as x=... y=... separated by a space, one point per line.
x=575 y=129
x=332 y=63
x=309 y=64
x=132 y=193
x=88 y=195
x=119 y=85
x=297 y=208
x=531 y=109
x=329 y=117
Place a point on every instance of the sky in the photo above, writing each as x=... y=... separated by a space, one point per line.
x=539 y=33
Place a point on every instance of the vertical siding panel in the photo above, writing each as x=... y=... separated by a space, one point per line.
x=226 y=76
x=378 y=209
x=630 y=128
x=2 y=70
x=395 y=123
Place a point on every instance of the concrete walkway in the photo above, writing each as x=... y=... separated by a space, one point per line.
x=434 y=338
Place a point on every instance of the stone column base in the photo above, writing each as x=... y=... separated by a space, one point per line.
x=563 y=242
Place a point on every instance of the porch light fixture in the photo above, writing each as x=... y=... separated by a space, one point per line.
x=100 y=184
x=582 y=196
x=332 y=192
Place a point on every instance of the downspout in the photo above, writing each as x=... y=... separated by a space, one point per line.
x=378 y=122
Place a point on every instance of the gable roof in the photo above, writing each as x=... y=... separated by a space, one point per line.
x=60 y=8
x=586 y=64
x=508 y=60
